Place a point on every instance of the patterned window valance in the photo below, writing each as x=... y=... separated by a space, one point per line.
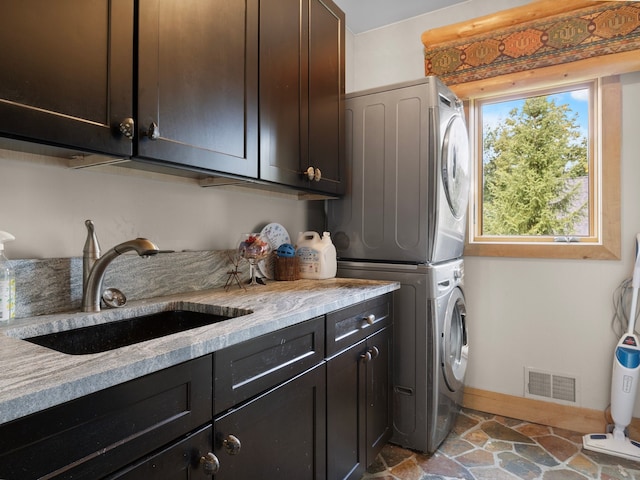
x=535 y=36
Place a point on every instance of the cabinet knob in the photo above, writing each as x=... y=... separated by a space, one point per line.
x=366 y=356
x=210 y=464
x=231 y=445
x=370 y=354
x=153 y=132
x=313 y=174
x=370 y=319
x=310 y=173
x=127 y=127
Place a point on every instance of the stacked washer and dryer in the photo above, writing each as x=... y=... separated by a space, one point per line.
x=403 y=219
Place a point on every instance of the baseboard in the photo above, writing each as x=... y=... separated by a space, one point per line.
x=577 y=419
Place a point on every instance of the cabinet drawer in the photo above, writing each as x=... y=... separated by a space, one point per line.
x=95 y=435
x=252 y=367
x=183 y=459
x=350 y=325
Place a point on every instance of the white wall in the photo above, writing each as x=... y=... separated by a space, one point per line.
x=551 y=315
x=44 y=205
x=395 y=53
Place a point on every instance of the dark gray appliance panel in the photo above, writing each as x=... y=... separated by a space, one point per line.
x=384 y=214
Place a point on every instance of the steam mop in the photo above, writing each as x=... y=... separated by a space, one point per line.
x=624 y=385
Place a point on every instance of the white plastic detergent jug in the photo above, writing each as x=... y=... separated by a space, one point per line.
x=316 y=256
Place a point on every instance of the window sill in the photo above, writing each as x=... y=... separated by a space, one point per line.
x=584 y=251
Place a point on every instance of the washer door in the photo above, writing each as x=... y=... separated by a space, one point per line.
x=455 y=347
x=456 y=166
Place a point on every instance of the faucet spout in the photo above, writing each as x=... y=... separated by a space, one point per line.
x=141 y=246
x=93 y=285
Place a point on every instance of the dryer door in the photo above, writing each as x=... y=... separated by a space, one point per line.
x=456 y=166
x=455 y=346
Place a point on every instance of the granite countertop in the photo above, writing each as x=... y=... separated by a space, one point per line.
x=33 y=377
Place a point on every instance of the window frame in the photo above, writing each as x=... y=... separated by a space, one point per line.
x=606 y=200
x=477 y=127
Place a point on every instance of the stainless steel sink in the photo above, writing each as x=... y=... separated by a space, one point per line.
x=120 y=333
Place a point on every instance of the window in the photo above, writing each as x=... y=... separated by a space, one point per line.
x=545 y=166
x=526 y=49
x=537 y=175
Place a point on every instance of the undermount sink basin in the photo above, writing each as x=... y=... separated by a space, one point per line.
x=120 y=333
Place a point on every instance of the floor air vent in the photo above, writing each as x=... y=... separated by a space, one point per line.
x=547 y=385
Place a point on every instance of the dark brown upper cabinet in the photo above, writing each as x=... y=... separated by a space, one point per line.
x=179 y=87
x=197 y=84
x=66 y=77
x=233 y=87
x=302 y=94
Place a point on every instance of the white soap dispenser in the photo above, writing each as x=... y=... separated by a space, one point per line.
x=7 y=283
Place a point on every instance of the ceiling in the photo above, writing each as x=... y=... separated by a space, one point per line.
x=363 y=15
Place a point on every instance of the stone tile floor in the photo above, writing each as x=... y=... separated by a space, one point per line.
x=489 y=447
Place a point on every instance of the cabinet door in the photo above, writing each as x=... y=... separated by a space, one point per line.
x=359 y=405
x=283 y=60
x=67 y=72
x=346 y=414
x=302 y=93
x=197 y=84
x=378 y=392
x=280 y=434
x=326 y=96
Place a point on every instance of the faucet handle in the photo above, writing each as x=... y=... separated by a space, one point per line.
x=91 y=244
x=90 y=252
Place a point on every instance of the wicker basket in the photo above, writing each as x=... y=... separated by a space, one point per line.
x=286 y=268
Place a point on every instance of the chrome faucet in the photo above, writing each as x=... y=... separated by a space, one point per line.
x=96 y=265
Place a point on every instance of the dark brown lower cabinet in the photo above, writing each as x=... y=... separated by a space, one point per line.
x=358 y=405
x=278 y=435
x=376 y=360
x=98 y=434
x=285 y=405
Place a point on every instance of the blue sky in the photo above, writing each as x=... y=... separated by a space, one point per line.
x=578 y=101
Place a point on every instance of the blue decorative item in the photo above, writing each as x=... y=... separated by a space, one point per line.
x=286 y=250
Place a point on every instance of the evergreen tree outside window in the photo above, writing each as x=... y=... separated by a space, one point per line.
x=538 y=168
x=536 y=164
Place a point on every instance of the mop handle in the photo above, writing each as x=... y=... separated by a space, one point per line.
x=635 y=283
x=632 y=315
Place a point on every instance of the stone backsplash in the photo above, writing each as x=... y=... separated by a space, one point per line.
x=55 y=285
